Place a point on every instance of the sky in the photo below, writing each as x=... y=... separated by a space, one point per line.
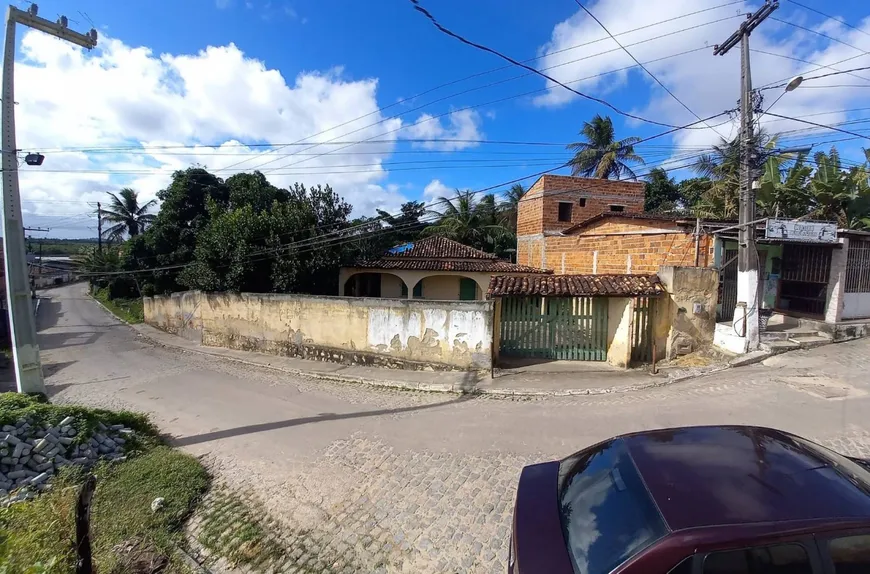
x=363 y=95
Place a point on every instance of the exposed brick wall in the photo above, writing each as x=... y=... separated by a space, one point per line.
x=539 y=210
x=647 y=248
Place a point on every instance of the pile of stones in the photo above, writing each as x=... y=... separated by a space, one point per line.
x=30 y=453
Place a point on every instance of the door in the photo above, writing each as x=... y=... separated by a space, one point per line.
x=467 y=289
x=728 y=286
x=558 y=328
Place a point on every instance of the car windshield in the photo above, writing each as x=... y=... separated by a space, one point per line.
x=606 y=512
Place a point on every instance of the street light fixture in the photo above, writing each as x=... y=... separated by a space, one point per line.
x=794 y=83
x=34 y=159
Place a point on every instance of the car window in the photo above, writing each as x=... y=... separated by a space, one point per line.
x=684 y=567
x=778 y=559
x=607 y=514
x=850 y=554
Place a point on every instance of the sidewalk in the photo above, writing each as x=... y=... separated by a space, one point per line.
x=554 y=378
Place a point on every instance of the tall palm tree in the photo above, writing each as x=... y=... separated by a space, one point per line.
x=468 y=221
x=510 y=205
x=125 y=215
x=601 y=155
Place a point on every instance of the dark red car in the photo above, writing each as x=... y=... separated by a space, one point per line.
x=695 y=500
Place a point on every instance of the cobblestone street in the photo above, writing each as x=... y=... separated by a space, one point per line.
x=364 y=480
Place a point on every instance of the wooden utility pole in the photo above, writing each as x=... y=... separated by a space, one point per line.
x=746 y=315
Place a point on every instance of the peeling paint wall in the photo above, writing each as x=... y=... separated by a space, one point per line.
x=414 y=334
x=689 y=316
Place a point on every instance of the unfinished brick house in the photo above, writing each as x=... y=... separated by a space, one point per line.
x=576 y=225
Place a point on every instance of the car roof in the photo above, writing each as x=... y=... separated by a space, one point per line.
x=719 y=475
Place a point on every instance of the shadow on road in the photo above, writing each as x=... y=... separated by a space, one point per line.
x=263 y=427
x=49 y=313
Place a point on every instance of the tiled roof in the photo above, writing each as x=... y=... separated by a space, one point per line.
x=437 y=247
x=577 y=285
x=622 y=215
x=467 y=266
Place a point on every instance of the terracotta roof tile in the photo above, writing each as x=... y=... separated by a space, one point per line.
x=576 y=285
x=468 y=266
x=438 y=247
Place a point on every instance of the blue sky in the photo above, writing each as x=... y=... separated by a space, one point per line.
x=234 y=72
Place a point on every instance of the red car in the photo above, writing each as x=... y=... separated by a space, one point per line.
x=695 y=500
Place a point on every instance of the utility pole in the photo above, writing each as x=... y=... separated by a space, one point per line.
x=28 y=370
x=99 y=228
x=746 y=314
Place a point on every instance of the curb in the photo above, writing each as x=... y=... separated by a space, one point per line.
x=106 y=309
x=353 y=379
x=433 y=387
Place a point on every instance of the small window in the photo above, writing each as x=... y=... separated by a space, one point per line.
x=565 y=211
x=617 y=208
x=581 y=202
x=785 y=558
x=850 y=554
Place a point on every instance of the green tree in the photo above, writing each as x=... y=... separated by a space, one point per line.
x=661 y=192
x=125 y=215
x=472 y=222
x=510 y=205
x=601 y=155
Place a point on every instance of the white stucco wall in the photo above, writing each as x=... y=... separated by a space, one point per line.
x=856 y=305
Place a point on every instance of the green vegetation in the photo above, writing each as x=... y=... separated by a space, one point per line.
x=15 y=406
x=129 y=310
x=230 y=528
x=37 y=537
x=50 y=247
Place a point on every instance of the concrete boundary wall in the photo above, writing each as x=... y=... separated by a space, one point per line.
x=394 y=333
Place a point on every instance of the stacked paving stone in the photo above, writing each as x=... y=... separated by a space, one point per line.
x=30 y=454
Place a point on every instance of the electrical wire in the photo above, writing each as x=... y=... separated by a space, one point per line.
x=784 y=82
x=822 y=34
x=828 y=16
x=487 y=72
x=644 y=68
x=816 y=69
x=444 y=30
x=820 y=125
x=499 y=100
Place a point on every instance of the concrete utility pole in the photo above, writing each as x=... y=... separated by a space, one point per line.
x=99 y=227
x=746 y=314
x=28 y=370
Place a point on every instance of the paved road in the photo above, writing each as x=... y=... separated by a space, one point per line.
x=414 y=482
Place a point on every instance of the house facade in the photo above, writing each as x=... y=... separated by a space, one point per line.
x=434 y=268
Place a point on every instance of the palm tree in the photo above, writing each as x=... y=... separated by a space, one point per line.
x=125 y=215
x=471 y=222
x=601 y=155
x=510 y=205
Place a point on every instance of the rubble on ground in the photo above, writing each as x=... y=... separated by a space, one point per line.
x=31 y=453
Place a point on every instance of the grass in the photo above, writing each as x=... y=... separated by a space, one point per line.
x=37 y=537
x=16 y=406
x=129 y=310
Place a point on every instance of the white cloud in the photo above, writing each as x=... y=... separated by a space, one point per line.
x=457 y=125
x=705 y=83
x=435 y=189
x=126 y=96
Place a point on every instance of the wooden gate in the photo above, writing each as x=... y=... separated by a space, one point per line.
x=564 y=328
x=641 y=330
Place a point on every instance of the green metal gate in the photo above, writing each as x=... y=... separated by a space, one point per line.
x=641 y=330
x=565 y=328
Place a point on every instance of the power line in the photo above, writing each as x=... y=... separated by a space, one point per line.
x=529 y=68
x=503 y=184
x=783 y=82
x=499 y=100
x=487 y=72
x=644 y=68
x=820 y=125
x=822 y=34
x=820 y=13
